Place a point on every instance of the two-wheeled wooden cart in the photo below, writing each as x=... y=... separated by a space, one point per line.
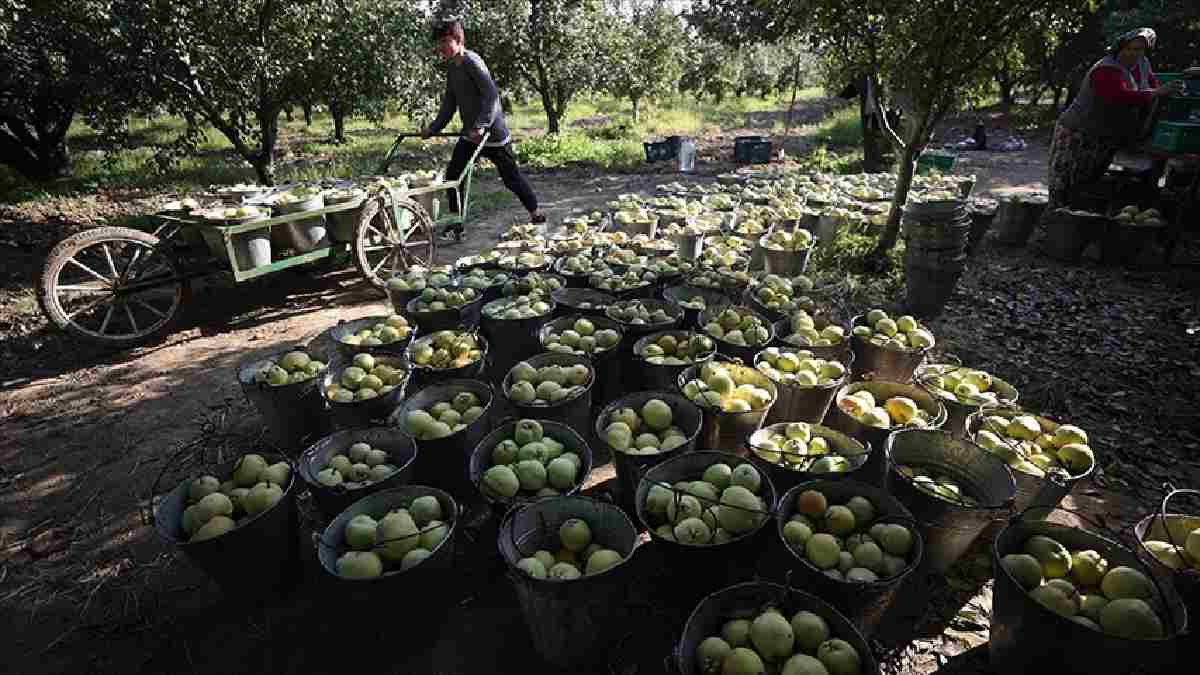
x=121 y=286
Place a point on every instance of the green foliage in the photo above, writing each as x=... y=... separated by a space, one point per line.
x=1177 y=23
x=571 y=147
x=843 y=128
x=644 y=56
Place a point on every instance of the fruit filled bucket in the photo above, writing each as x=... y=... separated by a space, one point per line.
x=953 y=487
x=378 y=335
x=568 y=561
x=806 y=382
x=739 y=331
x=581 y=301
x=735 y=400
x=1047 y=458
x=1099 y=610
x=413 y=283
x=637 y=319
x=511 y=326
x=963 y=391
x=744 y=626
x=554 y=387
x=786 y=252
x=707 y=511
x=344 y=222
x=1170 y=544
x=238 y=524
x=795 y=452
x=854 y=545
x=447 y=355
x=402 y=539
x=447 y=419
x=693 y=300
x=451 y=315
x=672 y=425
x=596 y=338
x=888 y=349
x=363 y=391
x=818 y=331
x=528 y=459
x=488 y=283
x=659 y=358
x=348 y=465
x=870 y=411
x=283 y=387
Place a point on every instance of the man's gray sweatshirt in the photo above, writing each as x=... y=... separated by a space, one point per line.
x=471 y=91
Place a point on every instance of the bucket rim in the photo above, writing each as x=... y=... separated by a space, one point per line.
x=563 y=296
x=640 y=345
x=308 y=457
x=935 y=423
x=706 y=316
x=346 y=326
x=825 y=432
x=928 y=370
x=489 y=443
x=461 y=310
x=840 y=382
x=671 y=398
x=484 y=389
x=340 y=364
x=892 y=470
x=673 y=311
x=548 y=358
x=859 y=319
x=245 y=369
x=506 y=525
x=692 y=372
x=479 y=337
x=508 y=299
x=975 y=420
x=1141 y=529
x=547 y=329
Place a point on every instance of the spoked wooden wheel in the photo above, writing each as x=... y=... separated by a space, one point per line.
x=383 y=247
x=113 y=285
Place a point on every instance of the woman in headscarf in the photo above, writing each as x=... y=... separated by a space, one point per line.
x=1106 y=115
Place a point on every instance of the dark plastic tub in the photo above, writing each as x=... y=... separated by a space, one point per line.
x=572 y=300
x=607 y=363
x=575 y=412
x=681 y=293
x=573 y=441
x=443 y=463
x=512 y=340
x=370 y=412
x=402 y=453
x=465 y=317
x=345 y=328
x=661 y=376
x=423 y=376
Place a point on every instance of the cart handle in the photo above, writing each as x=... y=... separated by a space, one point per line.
x=387 y=159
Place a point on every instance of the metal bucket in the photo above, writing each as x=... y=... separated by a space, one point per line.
x=294 y=413
x=838 y=352
x=895 y=365
x=401 y=449
x=647 y=290
x=1026 y=634
x=443 y=462
x=344 y=224
x=1016 y=220
x=876 y=469
x=745 y=353
x=865 y=604
x=1174 y=529
x=344 y=328
x=676 y=295
x=956 y=412
x=573 y=622
x=782 y=262
x=1031 y=490
x=606 y=364
x=928 y=289
x=250 y=249
x=512 y=340
x=629 y=467
x=575 y=412
x=786 y=474
x=949 y=529
x=400 y=300
x=745 y=601
x=258 y=557
x=572 y=300
x=634 y=332
x=636 y=227
x=425 y=584
x=303 y=235
x=368 y=413
x=688 y=246
x=1069 y=232
x=573 y=441
x=422 y=376
x=731 y=431
x=452 y=318
x=660 y=376
x=981 y=222
x=697 y=571
x=796 y=403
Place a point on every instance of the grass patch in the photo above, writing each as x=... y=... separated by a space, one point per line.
x=846 y=252
x=843 y=128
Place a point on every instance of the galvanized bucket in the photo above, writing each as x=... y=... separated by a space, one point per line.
x=343 y=224
x=929 y=285
x=444 y=462
x=894 y=365
x=401 y=449
x=876 y=469
x=368 y=413
x=745 y=601
x=572 y=279
x=1016 y=220
x=634 y=332
x=797 y=403
x=1031 y=490
x=512 y=340
x=956 y=412
x=250 y=249
x=982 y=213
x=400 y=300
x=345 y=328
x=294 y=413
x=581 y=301
x=697 y=570
x=630 y=467
x=258 y=557
x=783 y=262
x=572 y=622
x=865 y=604
x=423 y=585
x=688 y=246
x=786 y=473
x=453 y=318
x=660 y=376
x=1027 y=635
x=574 y=412
x=744 y=352
x=423 y=375
x=949 y=529
x=731 y=431
x=684 y=293
x=1173 y=528
x=605 y=363
x=573 y=441
x=838 y=352
x=303 y=235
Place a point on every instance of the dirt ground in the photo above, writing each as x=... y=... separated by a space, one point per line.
x=88 y=436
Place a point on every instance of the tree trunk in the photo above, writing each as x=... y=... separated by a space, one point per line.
x=637 y=118
x=1006 y=92
x=339 y=122
x=891 y=232
x=38 y=152
x=288 y=111
x=307 y=114
x=264 y=160
x=872 y=155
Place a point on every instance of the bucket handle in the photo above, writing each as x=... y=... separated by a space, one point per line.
x=955 y=364
x=678 y=495
x=1053 y=478
x=1171 y=492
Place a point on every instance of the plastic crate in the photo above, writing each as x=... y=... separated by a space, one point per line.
x=1176 y=137
x=942 y=161
x=663 y=151
x=1191 y=84
x=751 y=150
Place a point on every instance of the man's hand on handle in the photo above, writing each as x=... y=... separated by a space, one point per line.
x=1169 y=88
x=475 y=134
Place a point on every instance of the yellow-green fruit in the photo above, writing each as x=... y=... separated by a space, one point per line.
x=216 y=527
x=1054 y=557
x=736 y=632
x=1088 y=567
x=743 y=661
x=711 y=654
x=1163 y=551
x=771 y=635
x=1131 y=618
x=1125 y=582
x=1055 y=600
x=1024 y=568
x=1091 y=604
x=803 y=664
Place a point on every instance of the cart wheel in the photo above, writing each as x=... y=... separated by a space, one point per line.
x=382 y=247
x=114 y=286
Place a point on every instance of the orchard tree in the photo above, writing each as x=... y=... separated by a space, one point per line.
x=645 y=55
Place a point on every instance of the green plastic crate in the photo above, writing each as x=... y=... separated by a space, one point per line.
x=1176 y=137
x=942 y=161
